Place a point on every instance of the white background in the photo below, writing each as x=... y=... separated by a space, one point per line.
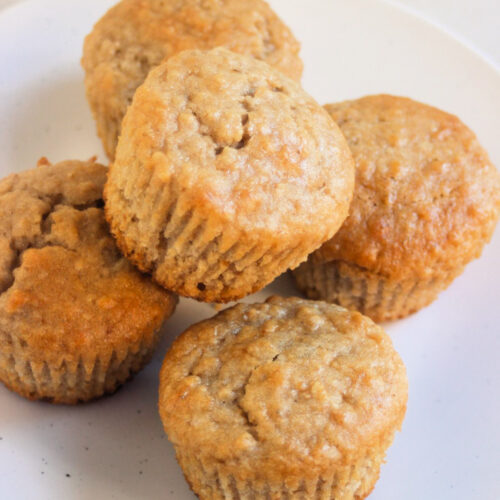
x=115 y=448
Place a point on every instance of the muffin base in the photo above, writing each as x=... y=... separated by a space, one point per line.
x=376 y=296
x=209 y=482
x=72 y=381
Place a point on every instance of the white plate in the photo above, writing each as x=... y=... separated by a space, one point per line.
x=115 y=447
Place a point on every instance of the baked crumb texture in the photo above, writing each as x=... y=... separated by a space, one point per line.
x=227 y=173
x=289 y=399
x=135 y=36
x=76 y=319
x=426 y=201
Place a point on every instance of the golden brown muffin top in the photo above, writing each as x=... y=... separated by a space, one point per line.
x=426 y=196
x=240 y=141
x=282 y=389
x=65 y=290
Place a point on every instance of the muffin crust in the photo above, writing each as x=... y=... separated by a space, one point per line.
x=427 y=196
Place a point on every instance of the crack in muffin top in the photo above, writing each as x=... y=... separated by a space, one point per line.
x=282 y=386
x=242 y=140
x=426 y=197
x=63 y=281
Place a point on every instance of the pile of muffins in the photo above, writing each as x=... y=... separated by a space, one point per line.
x=224 y=174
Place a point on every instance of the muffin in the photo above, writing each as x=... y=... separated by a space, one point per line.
x=427 y=199
x=226 y=174
x=76 y=318
x=136 y=35
x=289 y=399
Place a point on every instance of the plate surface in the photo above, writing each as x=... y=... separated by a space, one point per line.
x=115 y=448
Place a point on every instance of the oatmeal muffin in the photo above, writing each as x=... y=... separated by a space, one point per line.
x=290 y=399
x=427 y=199
x=136 y=35
x=226 y=174
x=76 y=318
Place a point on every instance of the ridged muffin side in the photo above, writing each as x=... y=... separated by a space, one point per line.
x=227 y=173
x=289 y=399
x=76 y=318
x=70 y=381
x=379 y=297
